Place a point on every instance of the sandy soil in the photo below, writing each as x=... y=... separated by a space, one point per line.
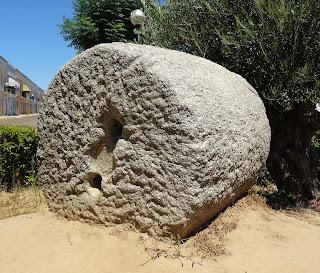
x=261 y=240
x=30 y=120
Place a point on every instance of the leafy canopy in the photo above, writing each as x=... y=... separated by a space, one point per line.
x=274 y=44
x=99 y=21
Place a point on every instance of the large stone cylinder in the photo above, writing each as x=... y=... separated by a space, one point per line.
x=157 y=138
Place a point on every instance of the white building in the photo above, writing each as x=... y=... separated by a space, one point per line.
x=18 y=94
x=3 y=73
x=8 y=103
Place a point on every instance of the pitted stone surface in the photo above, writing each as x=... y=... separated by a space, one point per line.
x=156 y=138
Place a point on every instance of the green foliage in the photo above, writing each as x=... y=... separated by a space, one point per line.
x=281 y=199
x=278 y=199
x=274 y=44
x=99 y=21
x=32 y=178
x=316 y=141
x=265 y=178
x=18 y=147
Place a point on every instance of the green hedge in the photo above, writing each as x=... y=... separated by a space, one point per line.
x=18 y=147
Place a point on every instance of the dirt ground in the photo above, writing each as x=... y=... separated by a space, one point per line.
x=30 y=120
x=249 y=237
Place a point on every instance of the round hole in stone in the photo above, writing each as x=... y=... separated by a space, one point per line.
x=115 y=132
x=95 y=181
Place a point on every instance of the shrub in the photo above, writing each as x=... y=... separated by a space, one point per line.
x=18 y=147
x=275 y=45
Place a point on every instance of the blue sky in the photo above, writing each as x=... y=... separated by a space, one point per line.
x=30 y=39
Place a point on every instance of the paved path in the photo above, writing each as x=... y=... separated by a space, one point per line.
x=30 y=120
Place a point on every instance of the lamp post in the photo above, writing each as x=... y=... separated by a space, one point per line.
x=138 y=19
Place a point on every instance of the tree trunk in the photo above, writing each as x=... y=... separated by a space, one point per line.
x=293 y=159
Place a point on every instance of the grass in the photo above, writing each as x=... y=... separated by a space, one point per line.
x=21 y=201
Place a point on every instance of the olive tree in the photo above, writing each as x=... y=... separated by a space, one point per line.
x=275 y=45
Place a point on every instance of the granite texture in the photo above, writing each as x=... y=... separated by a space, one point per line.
x=152 y=137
